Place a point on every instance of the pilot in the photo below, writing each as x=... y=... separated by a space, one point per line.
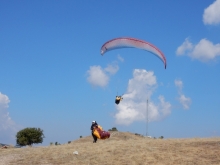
x=118 y=99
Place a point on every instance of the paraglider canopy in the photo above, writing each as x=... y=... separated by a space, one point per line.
x=127 y=42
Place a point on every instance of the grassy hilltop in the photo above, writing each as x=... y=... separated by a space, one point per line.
x=122 y=148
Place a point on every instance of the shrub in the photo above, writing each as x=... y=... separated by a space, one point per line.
x=29 y=136
x=161 y=137
x=113 y=129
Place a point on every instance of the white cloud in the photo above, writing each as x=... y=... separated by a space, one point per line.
x=112 y=68
x=164 y=107
x=179 y=84
x=8 y=128
x=133 y=107
x=211 y=14
x=120 y=58
x=186 y=46
x=4 y=100
x=204 y=51
x=184 y=101
x=98 y=76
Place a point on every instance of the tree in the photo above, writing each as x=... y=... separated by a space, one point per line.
x=29 y=136
x=114 y=129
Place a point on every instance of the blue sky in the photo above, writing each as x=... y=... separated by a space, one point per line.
x=53 y=76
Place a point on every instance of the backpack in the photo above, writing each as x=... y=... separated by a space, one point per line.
x=100 y=133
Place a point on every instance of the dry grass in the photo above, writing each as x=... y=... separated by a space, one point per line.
x=121 y=149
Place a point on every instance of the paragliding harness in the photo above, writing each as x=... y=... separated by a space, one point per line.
x=100 y=133
x=118 y=99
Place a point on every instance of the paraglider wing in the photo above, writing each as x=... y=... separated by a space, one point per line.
x=127 y=42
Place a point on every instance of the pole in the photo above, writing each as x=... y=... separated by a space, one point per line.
x=147 y=119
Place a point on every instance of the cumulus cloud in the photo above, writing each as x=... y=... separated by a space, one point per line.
x=211 y=14
x=133 y=107
x=8 y=128
x=179 y=84
x=99 y=76
x=184 y=101
x=203 y=51
x=112 y=68
x=120 y=58
x=186 y=46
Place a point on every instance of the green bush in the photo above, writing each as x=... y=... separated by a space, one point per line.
x=29 y=136
x=161 y=137
x=113 y=129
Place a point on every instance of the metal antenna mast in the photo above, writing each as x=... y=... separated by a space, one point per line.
x=147 y=119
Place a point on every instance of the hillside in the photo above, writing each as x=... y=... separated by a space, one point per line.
x=122 y=148
x=1 y=144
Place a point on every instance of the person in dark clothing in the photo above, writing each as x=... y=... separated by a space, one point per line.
x=94 y=124
x=118 y=99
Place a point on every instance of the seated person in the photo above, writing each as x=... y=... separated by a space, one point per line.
x=118 y=99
